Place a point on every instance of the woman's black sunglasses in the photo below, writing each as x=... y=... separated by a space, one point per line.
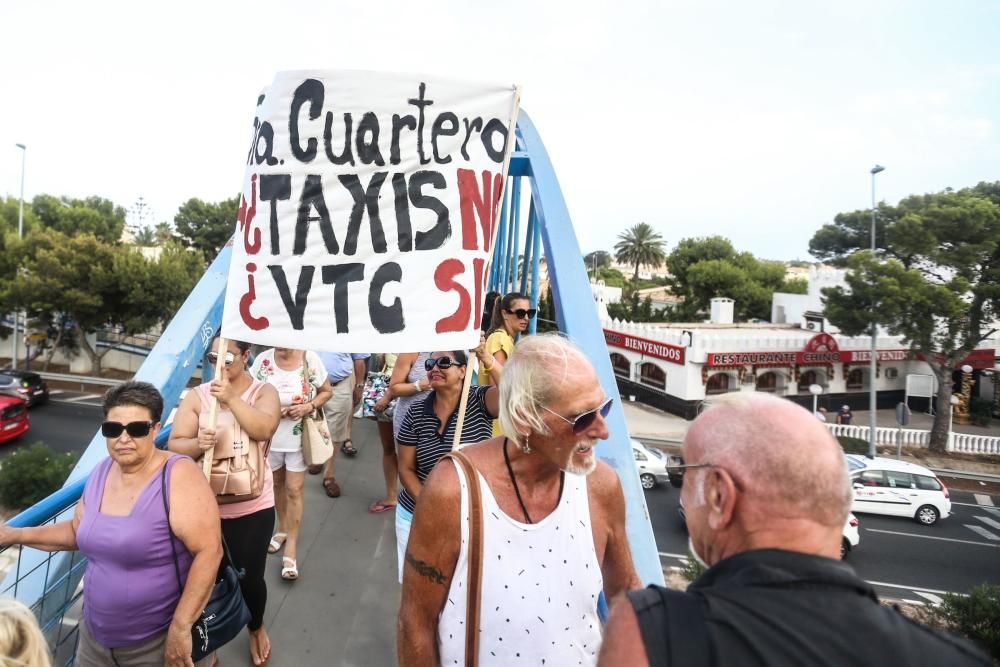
x=521 y=313
x=134 y=429
x=214 y=358
x=444 y=363
x=582 y=421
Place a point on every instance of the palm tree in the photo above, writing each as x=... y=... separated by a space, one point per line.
x=163 y=232
x=145 y=238
x=640 y=245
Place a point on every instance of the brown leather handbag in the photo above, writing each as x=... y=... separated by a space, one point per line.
x=238 y=462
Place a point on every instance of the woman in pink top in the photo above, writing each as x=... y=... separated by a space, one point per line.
x=246 y=525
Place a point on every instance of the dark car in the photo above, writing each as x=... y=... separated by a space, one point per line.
x=29 y=386
x=676 y=475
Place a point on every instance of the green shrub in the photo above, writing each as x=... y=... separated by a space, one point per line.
x=976 y=616
x=29 y=475
x=853 y=445
x=981 y=411
x=692 y=569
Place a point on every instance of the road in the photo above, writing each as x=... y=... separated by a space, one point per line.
x=66 y=423
x=904 y=560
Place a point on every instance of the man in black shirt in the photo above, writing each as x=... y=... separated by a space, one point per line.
x=766 y=495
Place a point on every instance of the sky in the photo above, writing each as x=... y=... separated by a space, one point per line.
x=758 y=121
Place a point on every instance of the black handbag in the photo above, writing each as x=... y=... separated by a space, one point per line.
x=226 y=613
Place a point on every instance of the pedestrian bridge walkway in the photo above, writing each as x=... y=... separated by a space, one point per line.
x=342 y=610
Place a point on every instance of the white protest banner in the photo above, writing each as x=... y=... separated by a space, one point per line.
x=368 y=212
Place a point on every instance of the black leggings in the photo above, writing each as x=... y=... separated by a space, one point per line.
x=247 y=538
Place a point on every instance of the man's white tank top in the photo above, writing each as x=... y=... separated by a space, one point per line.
x=540 y=588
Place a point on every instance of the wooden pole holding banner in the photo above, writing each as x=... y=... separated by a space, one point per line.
x=213 y=410
x=474 y=360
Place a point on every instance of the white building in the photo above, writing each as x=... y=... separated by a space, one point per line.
x=676 y=366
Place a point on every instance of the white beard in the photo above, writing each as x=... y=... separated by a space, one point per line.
x=586 y=468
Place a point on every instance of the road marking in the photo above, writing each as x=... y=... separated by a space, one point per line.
x=989 y=522
x=916 y=602
x=916 y=589
x=931 y=537
x=664 y=554
x=983 y=499
x=979 y=530
x=934 y=599
x=56 y=392
x=85 y=397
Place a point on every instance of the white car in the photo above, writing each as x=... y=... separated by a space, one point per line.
x=852 y=536
x=651 y=463
x=897 y=488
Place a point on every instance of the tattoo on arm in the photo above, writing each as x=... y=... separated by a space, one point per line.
x=425 y=570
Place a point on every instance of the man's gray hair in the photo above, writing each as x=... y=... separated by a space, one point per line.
x=532 y=378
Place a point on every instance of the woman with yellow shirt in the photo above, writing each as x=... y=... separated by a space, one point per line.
x=511 y=315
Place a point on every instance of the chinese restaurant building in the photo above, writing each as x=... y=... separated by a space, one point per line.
x=675 y=367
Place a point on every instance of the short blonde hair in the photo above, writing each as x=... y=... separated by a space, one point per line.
x=21 y=641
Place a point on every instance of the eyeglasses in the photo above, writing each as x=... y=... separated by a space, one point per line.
x=521 y=313
x=444 y=363
x=583 y=420
x=692 y=466
x=134 y=429
x=214 y=358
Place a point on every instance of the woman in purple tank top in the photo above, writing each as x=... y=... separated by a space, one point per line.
x=134 y=613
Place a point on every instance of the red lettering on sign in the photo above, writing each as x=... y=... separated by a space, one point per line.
x=672 y=353
x=477 y=272
x=478 y=203
x=255 y=323
x=444 y=278
x=245 y=218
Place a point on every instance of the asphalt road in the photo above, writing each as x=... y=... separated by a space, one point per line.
x=66 y=423
x=904 y=560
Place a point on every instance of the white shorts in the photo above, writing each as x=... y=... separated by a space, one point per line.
x=291 y=461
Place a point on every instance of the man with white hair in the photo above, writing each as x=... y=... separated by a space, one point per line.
x=766 y=495
x=553 y=527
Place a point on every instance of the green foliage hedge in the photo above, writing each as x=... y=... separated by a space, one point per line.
x=975 y=616
x=29 y=475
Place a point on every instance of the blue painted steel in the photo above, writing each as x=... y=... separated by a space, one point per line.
x=536 y=257
x=51 y=506
x=499 y=244
x=571 y=290
x=529 y=248
x=515 y=238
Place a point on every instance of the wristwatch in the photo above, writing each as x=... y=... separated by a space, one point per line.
x=359 y=386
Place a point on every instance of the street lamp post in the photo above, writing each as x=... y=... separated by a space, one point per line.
x=873 y=362
x=20 y=233
x=815 y=390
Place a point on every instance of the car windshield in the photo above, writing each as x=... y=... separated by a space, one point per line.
x=854 y=464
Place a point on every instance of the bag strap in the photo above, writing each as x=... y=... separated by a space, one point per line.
x=475 y=558
x=673 y=627
x=226 y=558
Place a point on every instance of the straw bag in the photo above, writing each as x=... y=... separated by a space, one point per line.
x=238 y=462
x=317 y=445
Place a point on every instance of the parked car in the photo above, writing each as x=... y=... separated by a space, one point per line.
x=674 y=472
x=850 y=538
x=13 y=417
x=29 y=385
x=651 y=463
x=898 y=488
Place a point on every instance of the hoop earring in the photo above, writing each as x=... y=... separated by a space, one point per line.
x=526 y=445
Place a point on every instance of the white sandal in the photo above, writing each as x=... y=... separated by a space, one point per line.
x=274 y=546
x=289 y=572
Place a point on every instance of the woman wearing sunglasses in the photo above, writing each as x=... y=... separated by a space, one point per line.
x=511 y=316
x=134 y=612
x=246 y=525
x=428 y=428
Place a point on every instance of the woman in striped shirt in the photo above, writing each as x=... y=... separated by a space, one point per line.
x=428 y=429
